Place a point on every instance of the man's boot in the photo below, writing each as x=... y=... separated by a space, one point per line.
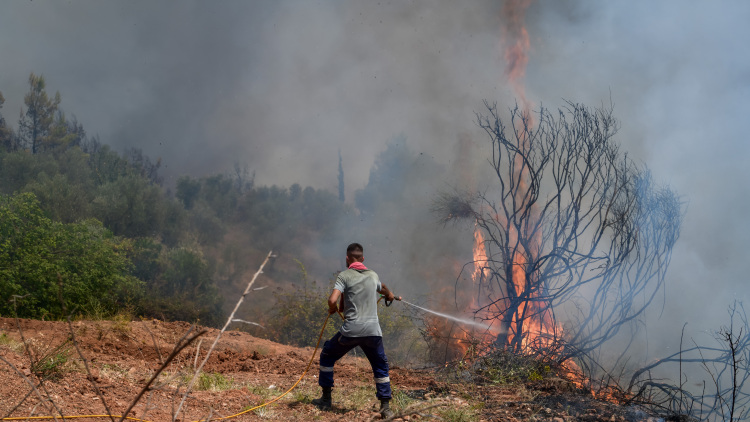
x=385 y=409
x=324 y=402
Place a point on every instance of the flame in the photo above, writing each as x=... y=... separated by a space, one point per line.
x=479 y=256
x=532 y=323
x=516 y=46
x=451 y=341
x=532 y=327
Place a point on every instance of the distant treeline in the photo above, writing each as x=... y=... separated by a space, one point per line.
x=94 y=231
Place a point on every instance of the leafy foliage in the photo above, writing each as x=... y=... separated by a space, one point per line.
x=213 y=382
x=298 y=315
x=503 y=367
x=36 y=124
x=180 y=285
x=169 y=254
x=42 y=260
x=7 y=138
x=50 y=364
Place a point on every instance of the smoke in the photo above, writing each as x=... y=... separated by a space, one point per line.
x=281 y=86
x=274 y=85
x=679 y=89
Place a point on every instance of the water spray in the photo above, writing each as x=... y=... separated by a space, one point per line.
x=466 y=321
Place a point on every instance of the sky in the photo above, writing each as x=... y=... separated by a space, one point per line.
x=282 y=86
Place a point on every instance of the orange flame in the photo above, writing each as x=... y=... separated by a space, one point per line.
x=533 y=326
x=516 y=46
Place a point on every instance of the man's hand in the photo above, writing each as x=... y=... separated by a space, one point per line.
x=333 y=310
x=388 y=294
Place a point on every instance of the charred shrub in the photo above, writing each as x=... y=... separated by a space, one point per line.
x=502 y=366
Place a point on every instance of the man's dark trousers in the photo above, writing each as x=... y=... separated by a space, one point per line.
x=339 y=345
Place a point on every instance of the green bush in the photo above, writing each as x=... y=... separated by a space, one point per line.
x=181 y=285
x=43 y=261
x=213 y=382
x=503 y=367
x=50 y=364
x=298 y=316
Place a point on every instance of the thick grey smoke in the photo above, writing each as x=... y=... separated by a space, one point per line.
x=283 y=85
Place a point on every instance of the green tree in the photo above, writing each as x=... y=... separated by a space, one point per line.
x=36 y=124
x=131 y=207
x=20 y=168
x=106 y=165
x=187 y=191
x=184 y=288
x=42 y=260
x=6 y=134
x=205 y=225
x=219 y=194
x=141 y=164
x=62 y=200
x=64 y=133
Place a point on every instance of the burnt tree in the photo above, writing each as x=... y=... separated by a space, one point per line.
x=571 y=225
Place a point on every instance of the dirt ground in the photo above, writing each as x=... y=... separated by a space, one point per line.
x=242 y=372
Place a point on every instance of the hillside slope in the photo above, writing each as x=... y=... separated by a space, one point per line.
x=243 y=371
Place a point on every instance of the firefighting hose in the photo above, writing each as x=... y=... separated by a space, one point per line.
x=317 y=345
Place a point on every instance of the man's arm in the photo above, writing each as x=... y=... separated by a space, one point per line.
x=385 y=291
x=332 y=305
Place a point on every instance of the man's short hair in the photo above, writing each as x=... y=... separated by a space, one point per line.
x=355 y=250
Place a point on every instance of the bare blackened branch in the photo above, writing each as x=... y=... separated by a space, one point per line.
x=724 y=395
x=570 y=220
x=454 y=207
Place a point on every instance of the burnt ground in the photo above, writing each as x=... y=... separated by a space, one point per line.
x=242 y=372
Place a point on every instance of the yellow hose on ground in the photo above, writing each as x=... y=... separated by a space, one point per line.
x=320 y=336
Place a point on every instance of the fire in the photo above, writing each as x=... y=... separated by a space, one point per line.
x=527 y=316
x=481 y=272
x=531 y=322
x=532 y=325
x=517 y=45
x=453 y=341
x=513 y=302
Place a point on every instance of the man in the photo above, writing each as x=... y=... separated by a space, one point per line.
x=358 y=289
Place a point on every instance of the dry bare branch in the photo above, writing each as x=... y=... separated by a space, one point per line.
x=72 y=335
x=89 y=376
x=569 y=220
x=153 y=339
x=218 y=336
x=32 y=359
x=28 y=381
x=182 y=343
